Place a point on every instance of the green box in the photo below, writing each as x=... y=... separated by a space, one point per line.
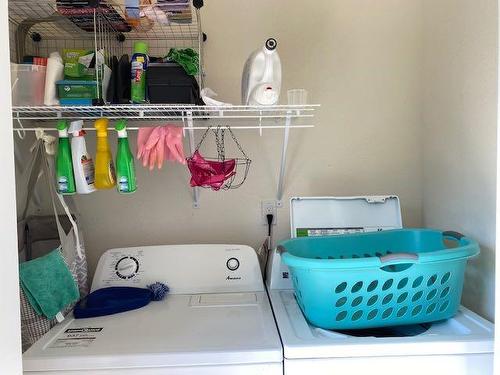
x=77 y=64
x=69 y=89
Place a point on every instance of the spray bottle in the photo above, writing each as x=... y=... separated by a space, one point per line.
x=125 y=169
x=83 y=166
x=105 y=177
x=65 y=179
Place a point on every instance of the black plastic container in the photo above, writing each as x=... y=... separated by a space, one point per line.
x=169 y=83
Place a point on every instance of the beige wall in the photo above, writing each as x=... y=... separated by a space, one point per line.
x=359 y=59
x=459 y=118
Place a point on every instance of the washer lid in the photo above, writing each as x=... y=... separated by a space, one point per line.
x=465 y=333
x=182 y=330
x=315 y=216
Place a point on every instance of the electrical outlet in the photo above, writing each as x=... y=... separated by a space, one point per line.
x=269 y=207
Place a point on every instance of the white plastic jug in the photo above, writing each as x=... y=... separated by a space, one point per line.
x=261 y=80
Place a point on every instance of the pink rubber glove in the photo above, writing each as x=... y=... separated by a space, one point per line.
x=160 y=147
x=150 y=148
x=142 y=138
x=173 y=141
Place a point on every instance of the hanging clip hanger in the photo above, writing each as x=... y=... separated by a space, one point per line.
x=21 y=132
x=49 y=141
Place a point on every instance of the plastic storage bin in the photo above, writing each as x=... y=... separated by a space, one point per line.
x=28 y=84
x=369 y=280
x=169 y=83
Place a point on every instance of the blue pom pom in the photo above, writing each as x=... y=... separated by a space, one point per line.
x=159 y=291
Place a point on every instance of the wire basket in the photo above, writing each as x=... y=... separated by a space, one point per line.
x=41 y=27
x=218 y=173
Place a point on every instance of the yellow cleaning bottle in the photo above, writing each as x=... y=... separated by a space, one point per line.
x=105 y=177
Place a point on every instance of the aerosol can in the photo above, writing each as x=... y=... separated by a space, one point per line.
x=261 y=80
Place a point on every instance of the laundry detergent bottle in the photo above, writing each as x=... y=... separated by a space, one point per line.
x=65 y=180
x=261 y=79
x=105 y=177
x=83 y=165
x=125 y=168
x=139 y=65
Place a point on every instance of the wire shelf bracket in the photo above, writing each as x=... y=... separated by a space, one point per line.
x=284 y=148
x=196 y=190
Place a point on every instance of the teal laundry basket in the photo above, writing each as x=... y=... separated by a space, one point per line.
x=369 y=280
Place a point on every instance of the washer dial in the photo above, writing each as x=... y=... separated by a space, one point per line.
x=233 y=264
x=127 y=267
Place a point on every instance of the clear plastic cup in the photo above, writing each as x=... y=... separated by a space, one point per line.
x=297 y=97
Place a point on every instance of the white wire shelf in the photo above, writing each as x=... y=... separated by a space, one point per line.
x=253 y=117
x=166 y=112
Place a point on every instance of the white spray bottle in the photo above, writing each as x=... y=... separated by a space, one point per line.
x=83 y=165
x=261 y=80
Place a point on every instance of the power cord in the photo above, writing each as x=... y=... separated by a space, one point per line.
x=269 y=218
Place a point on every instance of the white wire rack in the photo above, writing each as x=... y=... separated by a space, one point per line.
x=254 y=118
x=165 y=112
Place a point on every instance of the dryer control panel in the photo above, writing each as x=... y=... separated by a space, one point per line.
x=186 y=269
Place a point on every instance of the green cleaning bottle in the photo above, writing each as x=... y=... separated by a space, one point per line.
x=64 y=165
x=139 y=65
x=125 y=169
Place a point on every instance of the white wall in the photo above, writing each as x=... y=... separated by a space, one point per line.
x=10 y=325
x=359 y=59
x=459 y=134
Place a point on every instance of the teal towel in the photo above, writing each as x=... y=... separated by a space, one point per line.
x=48 y=284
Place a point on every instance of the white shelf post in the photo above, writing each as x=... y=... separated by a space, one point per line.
x=196 y=191
x=279 y=196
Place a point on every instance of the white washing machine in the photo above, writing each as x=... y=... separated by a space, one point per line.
x=216 y=319
x=459 y=346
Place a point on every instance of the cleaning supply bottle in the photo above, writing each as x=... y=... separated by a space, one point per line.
x=105 y=177
x=125 y=169
x=261 y=80
x=64 y=166
x=139 y=66
x=83 y=166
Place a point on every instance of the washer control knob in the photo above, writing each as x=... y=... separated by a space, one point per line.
x=127 y=267
x=233 y=264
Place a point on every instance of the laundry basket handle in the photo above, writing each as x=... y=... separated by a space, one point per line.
x=456 y=235
x=398 y=258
